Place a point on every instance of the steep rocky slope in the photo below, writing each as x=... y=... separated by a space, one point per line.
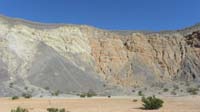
x=78 y=58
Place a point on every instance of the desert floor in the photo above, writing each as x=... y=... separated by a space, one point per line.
x=116 y=104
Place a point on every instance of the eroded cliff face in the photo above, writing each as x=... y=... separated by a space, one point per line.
x=73 y=59
x=190 y=65
x=138 y=59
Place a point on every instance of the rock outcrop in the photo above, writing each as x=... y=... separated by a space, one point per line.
x=78 y=58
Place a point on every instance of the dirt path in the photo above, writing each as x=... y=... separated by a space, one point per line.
x=172 y=104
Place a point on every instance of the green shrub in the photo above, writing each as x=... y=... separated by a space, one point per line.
x=15 y=97
x=19 y=109
x=140 y=93
x=26 y=95
x=91 y=93
x=62 y=110
x=55 y=110
x=135 y=100
x=152 y=102
x=165 y=90
x=56 y=93
x=83 y=95
x=192 y=91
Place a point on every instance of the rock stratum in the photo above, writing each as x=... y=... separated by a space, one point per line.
x=42 y=58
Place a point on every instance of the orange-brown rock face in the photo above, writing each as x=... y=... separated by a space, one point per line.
x=110 y=56
x=138 y=58
x=108 y=53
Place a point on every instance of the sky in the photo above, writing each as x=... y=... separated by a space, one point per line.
x=150 y=15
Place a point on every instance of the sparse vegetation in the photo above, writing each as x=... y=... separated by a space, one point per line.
x=176 y=87
x=15 y=97
x=46 y=88
x=152 y=102
x=90 y=93
x=55 y=110
x=83 y=95
x=11 y=85
x=19 y=109
x=140 y=93
x=173 y=92
x=165 y=89
x=192 y=90
x=56 y=93
x=181 y=90
x=135 y=100
x=26 y=95
x=33 y=33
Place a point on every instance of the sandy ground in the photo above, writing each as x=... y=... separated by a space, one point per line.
x=118 y=104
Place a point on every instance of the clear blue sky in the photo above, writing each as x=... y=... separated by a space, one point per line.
x=108 y=14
